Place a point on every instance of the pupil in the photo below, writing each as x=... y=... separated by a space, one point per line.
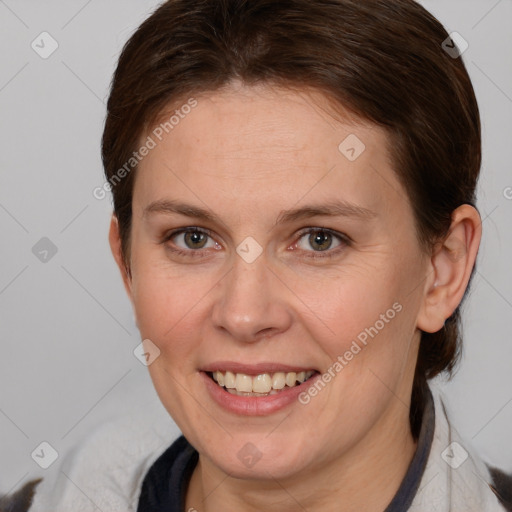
x=195 y=237
x=321 y=240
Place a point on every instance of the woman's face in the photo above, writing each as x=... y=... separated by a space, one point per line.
x=300 y=256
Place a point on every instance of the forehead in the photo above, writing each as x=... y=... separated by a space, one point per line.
x=255 y=145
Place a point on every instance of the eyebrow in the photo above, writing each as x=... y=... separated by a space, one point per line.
x=329 y=209
x=170 y=207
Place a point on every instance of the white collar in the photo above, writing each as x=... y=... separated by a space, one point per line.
x=455 y=478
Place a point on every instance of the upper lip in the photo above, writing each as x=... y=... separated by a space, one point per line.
x=253 y=369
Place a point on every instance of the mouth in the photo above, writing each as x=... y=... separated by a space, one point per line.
x=261 y=385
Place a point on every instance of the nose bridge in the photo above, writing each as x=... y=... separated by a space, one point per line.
x=249 y=305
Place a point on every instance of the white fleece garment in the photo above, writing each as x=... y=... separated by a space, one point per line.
x=106 y=472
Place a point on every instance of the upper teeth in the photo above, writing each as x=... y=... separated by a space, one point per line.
x=262 y=383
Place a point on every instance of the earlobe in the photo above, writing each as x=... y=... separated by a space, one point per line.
x=116 y=248
x=451 y=264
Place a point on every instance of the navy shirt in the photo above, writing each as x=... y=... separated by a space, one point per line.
x=165 y=485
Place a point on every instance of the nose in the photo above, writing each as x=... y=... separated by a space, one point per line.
x=251 y=302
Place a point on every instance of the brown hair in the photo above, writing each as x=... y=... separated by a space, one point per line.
x=382 y=60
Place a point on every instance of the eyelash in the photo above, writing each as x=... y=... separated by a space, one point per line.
x=329 y=253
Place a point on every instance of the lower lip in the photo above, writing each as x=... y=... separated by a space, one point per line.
x=255 y=406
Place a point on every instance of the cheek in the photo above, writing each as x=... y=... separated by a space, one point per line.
x=169 y=306
x=345 y=305
x=363 y=321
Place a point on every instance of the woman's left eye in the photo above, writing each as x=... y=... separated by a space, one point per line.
x=320 y=240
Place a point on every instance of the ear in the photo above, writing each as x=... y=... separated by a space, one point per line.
x=116 y=247
x=450 y=268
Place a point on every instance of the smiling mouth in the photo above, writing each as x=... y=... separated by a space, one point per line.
x=264 y=384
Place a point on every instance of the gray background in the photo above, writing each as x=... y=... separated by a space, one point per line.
x=67 y=330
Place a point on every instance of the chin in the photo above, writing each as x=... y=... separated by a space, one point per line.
x=247 y=456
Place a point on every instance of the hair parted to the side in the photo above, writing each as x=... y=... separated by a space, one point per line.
x=381 y=60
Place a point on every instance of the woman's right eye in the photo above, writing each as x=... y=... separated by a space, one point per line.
x=192 y=239
x=189 y=241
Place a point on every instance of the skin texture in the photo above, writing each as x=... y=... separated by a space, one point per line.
x=247 y=154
